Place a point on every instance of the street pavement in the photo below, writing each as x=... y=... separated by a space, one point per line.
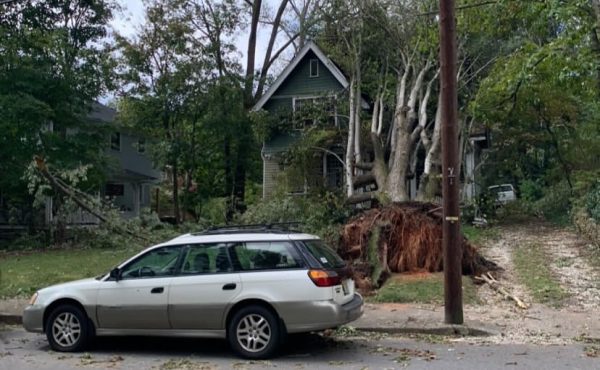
x=362 y=350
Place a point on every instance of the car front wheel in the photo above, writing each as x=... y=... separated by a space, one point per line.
x=67 y=329
x=254 y=332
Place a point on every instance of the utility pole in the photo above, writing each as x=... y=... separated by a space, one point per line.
x=451 y=241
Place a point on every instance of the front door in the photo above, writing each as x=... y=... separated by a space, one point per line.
x=206 y=286
x=139 y=299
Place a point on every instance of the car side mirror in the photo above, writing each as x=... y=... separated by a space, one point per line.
x=115 y=273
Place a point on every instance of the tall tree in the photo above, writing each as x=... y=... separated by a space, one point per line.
x=162 y=73
x=53 y=65
x=543 y=91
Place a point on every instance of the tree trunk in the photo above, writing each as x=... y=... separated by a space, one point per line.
x=176 y=210
x=430 y=182
x=357 y=106
x=596 y=39
x=266 y=62
x=396 y=181
x=350 y=144
x=251 y=53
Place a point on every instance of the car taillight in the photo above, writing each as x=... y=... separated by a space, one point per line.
x=324 y=278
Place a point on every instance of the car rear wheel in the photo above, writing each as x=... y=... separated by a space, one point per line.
x=254 y=332
x=67 y=329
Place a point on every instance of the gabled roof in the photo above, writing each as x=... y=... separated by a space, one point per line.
x=102 y=113
x=310 y=46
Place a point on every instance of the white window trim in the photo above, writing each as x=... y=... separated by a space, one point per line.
x=307 y=97
x=310 y=67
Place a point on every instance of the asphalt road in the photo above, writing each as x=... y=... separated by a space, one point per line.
x=22 y=350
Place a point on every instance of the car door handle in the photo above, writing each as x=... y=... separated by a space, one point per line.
x=157 y=290
x=230 y=286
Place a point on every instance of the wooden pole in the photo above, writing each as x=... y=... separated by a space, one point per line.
x=452 y=241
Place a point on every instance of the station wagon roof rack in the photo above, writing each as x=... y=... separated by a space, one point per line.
x=276 y=227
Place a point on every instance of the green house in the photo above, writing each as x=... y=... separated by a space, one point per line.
x=311 y=78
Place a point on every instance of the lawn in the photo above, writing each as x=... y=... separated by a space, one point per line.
x=532 y=267
x=479 y=235
x=21 y=274
x=421 y=288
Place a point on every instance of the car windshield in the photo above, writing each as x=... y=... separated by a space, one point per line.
x=500 y=188
x=325 y=255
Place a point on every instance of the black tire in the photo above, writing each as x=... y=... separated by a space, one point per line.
x=252 y=343
x=68 y=329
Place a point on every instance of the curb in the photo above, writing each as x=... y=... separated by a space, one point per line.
x=451 y=330
x=9 y=319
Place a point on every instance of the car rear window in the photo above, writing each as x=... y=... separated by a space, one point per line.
x=266 y=256
x=325 y=255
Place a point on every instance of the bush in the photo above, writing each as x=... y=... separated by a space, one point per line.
x=26 y=241
x=531 y=190
x=320 y=214
x=555 y=204
x=592 y=202
x=214 y=211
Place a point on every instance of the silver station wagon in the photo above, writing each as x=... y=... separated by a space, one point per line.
x=251 y=285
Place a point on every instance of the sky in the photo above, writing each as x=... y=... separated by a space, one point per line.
x=132 y=17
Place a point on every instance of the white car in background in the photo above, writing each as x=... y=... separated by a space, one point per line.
x=249 y=285
x=503 y=193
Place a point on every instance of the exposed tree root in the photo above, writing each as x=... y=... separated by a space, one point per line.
x=401 y=237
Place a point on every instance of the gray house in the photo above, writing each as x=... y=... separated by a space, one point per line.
x=129 y=182
x=311 y=78
x=131 y=173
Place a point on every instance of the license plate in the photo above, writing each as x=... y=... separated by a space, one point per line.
x=346 y=286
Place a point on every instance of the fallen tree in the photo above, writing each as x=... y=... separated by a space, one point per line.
x=95 y=207
x=401 y=237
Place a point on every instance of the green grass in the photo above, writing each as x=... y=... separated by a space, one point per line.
x=479 y=235
x=532 y=267
x=428 y=288
x=21 y=274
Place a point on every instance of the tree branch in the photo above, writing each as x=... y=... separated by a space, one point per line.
x=361 y=197
x=362 y=180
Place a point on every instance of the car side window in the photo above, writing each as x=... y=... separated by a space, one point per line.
x=207 y=259
x=158 y=262
x=266 y=256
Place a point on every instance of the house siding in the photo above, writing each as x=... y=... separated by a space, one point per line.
x=131 y=159
x=279 y=103
x=300 y=83
x=270 y=173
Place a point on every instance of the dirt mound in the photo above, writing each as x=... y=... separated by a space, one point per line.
x=401 y=237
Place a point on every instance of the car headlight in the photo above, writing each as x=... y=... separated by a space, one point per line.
x=33 y=298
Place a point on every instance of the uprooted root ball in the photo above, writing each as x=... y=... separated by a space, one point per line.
x=401 y=237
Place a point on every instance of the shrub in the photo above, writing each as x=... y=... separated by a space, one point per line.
x=592 y=202
x=555 y=204
x=531 y=190
x=214 y=211
x=320 y=214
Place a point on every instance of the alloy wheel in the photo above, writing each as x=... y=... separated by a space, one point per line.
x=66 y=329
x=253 y=333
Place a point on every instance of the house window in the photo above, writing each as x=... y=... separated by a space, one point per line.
x=314 y=68
x=114 y=190
x=141 y=146
x=115 y=141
